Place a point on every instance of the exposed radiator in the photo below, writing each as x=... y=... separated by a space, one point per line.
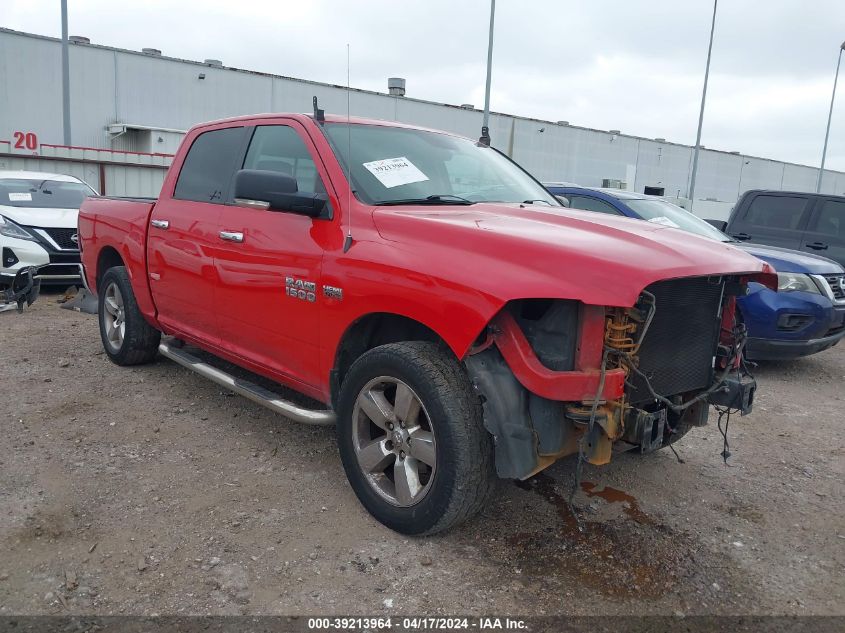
x=677 y=352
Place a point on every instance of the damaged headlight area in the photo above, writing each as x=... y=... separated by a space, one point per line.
x=561 y=377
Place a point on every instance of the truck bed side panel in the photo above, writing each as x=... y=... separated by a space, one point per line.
x=119 y=224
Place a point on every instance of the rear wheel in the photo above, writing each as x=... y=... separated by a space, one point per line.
x=127 y=337
x=412 y=440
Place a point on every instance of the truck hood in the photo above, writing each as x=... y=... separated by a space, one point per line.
x=786 y=260
x=530 y=251
x=41 y=217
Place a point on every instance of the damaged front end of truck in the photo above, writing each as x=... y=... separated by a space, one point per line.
x=559 y=377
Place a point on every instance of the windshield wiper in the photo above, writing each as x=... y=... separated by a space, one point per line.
x=446 y=198
x=545 y=202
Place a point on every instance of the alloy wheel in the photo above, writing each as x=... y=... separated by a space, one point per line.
x=115 y=317
x=394 y=441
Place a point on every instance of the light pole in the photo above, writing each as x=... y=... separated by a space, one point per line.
x=485 y=123
x=65 y=77
x=829 y=116
x=691 y=192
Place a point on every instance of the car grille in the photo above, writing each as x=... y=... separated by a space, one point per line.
x=835 y=282
x=678 y=349
x=62 y=237
x=64 y=258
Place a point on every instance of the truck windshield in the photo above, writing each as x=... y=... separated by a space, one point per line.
x=668 y=214
x=393 y=165
x=47 y=194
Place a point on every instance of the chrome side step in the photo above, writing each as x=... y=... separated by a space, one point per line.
x=248 y=389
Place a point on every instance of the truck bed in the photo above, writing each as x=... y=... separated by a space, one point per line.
x=117 y=226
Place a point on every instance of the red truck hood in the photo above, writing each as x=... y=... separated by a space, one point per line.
x=532 y=251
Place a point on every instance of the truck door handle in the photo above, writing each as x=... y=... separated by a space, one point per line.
x=161 y=224
x=741 y=236
x=819 y=246
x=231 y=236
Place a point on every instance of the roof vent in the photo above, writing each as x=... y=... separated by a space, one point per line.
x=563 y=122
x=614 y=131
x=396 y=86
x=214 y=62
x=151 y=51
x=660 y=139
x=79 y=39
x=467 y=106
x=734 y=152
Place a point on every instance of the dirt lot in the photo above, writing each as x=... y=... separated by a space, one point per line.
x=152 y=491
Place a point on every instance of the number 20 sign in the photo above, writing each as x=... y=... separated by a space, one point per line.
x=25 y=141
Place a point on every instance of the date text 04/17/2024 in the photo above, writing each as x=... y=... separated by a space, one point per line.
x=418 y=623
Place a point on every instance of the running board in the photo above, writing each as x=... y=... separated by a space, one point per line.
x=248 y=389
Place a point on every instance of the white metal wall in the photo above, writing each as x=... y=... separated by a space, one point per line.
x=88 y=172
x=110 y=86
x=121 y=180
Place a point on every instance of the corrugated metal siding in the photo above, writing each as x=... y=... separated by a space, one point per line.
x=109 y=86
x=133 y=181
x=90 y=173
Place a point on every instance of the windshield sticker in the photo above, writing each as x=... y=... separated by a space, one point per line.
x=664 y=221
x=393 y=172
x=20 y=197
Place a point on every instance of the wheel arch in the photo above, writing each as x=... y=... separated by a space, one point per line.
x=107 y=258
x=371 y=330
x=110 y=256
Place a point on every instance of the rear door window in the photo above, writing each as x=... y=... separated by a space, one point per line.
x=826 y=232
x=830 y=219
x=591 y=204
x=210 y=166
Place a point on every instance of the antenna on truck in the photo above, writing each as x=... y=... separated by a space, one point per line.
x=347 y=243
x=319 y=115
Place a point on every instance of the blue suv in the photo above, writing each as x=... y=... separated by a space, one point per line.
x=805 y=316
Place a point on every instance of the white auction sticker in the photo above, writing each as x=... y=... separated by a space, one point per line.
x=20 y=197
x=393 y=172
x=664 y=221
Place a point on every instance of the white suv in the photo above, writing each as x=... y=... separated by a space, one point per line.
x=38 y=214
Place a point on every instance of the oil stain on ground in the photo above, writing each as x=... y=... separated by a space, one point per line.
x=631 y=554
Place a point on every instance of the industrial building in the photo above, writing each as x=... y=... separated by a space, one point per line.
x=129 y=110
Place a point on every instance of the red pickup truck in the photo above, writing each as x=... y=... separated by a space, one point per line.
x=434 y=301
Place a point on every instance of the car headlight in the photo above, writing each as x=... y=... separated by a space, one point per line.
x=790 y=282
x=10 y=229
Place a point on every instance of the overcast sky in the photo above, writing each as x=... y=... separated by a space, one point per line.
x=637 y=66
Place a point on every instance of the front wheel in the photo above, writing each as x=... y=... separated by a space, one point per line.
x=127 y=337
x=412 y=440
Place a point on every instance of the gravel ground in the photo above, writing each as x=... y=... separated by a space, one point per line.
x=152 y=491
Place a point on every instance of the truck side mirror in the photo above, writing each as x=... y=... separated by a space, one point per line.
x=275 y=191
x=564 y=201
x=719 y=224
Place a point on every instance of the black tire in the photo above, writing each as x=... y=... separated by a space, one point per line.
x=464 y=475
x=139 y=343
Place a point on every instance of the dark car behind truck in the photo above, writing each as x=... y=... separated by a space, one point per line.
x=811 y=222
